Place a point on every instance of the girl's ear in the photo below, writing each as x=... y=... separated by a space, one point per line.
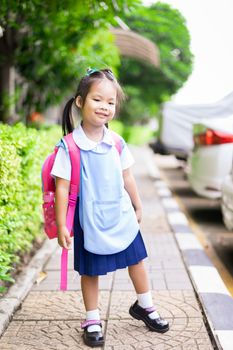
x=79 y=102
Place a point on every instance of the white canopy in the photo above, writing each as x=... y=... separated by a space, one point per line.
x=176 y=133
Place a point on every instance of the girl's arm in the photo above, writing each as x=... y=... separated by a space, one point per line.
x=131 y=188
x=61 y=204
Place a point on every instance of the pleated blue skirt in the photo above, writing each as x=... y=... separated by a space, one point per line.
x=87 y=263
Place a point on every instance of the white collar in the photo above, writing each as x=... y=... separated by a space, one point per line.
x=84 y=143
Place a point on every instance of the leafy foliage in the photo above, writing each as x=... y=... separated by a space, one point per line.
x=22 y=154
x=166 y=27
x=133 y=134
x=51 y=43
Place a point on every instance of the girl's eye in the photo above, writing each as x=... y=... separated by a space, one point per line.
x=112 y=103
x=96 y=99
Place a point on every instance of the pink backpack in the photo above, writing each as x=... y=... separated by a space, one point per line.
x=49 y=188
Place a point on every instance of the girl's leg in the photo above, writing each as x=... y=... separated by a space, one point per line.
x=92 y=332
x=143 y=308
x=90 y=288
x=139 y=277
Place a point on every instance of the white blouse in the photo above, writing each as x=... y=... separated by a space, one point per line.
x=62 y=165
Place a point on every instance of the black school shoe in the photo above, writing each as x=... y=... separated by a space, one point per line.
x=158 y=325
x=92 y=339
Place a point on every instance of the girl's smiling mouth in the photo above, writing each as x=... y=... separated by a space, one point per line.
x=101 y=113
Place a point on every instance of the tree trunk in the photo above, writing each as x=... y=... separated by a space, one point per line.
x=7 y=76
x=7 y=90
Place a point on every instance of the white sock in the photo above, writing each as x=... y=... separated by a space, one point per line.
x=145 y=301
x=93 y=315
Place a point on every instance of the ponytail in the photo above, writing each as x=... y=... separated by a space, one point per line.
x=67 y=119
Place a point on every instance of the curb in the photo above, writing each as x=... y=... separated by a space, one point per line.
x=216 y=301
x=16 y=294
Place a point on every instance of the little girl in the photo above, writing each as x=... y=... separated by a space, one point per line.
x=108 y=211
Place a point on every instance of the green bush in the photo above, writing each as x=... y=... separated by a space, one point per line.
x=117 y=126
x=135 y=134
x=22 y=152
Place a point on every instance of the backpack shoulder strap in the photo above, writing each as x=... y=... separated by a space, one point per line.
x=74 y=153
x=47 y=180
x=117 y=139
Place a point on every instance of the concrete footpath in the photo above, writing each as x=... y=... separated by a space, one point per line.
x=50 y=319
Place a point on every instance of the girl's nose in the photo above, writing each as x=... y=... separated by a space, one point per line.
x=104 y=107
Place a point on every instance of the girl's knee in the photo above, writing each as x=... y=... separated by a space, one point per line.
x=88 y=276
x=139 y=264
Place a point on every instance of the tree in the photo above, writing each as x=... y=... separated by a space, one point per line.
x=167 y=28
x=44 y=44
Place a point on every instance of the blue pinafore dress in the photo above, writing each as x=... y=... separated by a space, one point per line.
x=106 y=231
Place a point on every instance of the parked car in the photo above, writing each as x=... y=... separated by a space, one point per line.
x=176 y=124
x=211 y=159
x=227 y=201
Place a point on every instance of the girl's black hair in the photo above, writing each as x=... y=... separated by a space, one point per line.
x=67 y=119
x=83 y=88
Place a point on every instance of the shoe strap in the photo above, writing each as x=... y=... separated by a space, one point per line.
x=150 y=309
x=88 y=323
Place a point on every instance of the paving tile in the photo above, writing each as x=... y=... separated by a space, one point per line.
x=128 y=334
x=156 y=274
x=40 y=335
x=159 y=223
x=57 y=306
x=158 y=285
x=179 y=285
x=155 y=265
x=176 y=274
x=172 y=262
x=170 y=304
x=52 y=281
x=123 y=285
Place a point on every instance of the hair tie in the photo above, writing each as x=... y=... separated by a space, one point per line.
x=91 y=71
x=110 y=73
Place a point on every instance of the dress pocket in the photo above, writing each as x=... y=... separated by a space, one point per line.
x=107 y=214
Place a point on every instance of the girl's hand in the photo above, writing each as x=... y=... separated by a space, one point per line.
x=138 y=212
x=64 y=239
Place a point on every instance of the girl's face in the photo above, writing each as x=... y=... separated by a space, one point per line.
x=100 y=104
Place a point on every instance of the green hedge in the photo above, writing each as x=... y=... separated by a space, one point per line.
x=135 y=134
x=22 y=152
